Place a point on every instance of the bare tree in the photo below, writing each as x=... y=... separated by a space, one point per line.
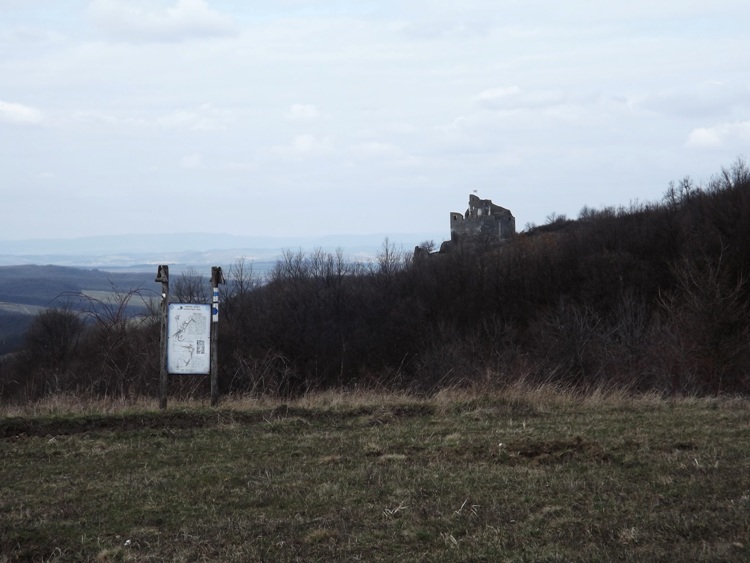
x=707 y=323
x=190 y=287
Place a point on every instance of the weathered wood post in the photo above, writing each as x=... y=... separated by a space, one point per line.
x=217 y=277
x=162 y=275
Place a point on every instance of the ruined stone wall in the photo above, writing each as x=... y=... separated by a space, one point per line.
x=482 y=220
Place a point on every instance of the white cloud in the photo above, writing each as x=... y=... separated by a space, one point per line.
x=302 y=112
x=400 y=128
x=452 y=27
x=377 y=150
x=205 y=117
x=703 y=138
x=719 y=135
x=707 y=100
x=392 y=129
x=512 y=97
x=495 y=95
x=99 y=118
x=140 y=21
x=192 y=162
x=19 y=114
x=196 y=161
x=305 y=145
x=31 y=37
x=397 y=25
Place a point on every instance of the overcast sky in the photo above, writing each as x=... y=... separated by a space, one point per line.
x=305 y=117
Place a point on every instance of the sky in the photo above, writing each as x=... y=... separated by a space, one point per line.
x=325 y=117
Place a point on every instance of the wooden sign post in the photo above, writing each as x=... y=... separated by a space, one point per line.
x=217 y=277
x=162 y=275
x=184 y=351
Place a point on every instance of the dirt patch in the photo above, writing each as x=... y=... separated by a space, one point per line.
x=684 y=446
x=558 y=451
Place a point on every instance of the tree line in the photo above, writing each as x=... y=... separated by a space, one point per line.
x=649 y=297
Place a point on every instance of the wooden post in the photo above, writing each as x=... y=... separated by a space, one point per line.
x=162 y=275
x=216 y=278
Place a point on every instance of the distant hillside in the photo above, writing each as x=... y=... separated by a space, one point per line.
x=47 y=285
x=28 y=290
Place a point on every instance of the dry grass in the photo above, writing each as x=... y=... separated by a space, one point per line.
x=521 y=473
x=544 y=396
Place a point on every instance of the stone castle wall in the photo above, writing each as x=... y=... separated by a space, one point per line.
x=482 y=220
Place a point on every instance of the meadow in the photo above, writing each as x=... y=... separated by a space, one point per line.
x=521 y=474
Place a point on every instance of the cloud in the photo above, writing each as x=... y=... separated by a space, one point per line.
x=141 y=22
x=497 y=96
x=302 y=112
x=379 y=150
x=719 y=135
x=305 y=145
x=192 y=162
x=196 y=161
x=453 y=24
x=708 y=100
x=376 y=150
x=19 y=114
x=512 y=98
x=205 y=117
x=99 y=118
x=30 y=37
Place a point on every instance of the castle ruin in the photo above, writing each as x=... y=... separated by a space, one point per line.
x=483 y=221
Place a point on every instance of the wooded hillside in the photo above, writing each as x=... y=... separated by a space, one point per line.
x=653 y=296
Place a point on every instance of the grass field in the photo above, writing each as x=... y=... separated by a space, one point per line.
x=535 y=475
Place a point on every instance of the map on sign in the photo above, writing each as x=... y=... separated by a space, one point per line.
x=188 y=339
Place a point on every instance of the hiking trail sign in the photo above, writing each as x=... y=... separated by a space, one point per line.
x=189 y=339
x=189 y=336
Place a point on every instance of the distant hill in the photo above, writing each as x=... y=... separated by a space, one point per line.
x=47 y=286
x=27 y=290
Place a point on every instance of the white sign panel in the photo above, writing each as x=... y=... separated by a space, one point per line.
x=188 y=339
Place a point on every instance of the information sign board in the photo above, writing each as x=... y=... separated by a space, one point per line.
x=189 y=339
